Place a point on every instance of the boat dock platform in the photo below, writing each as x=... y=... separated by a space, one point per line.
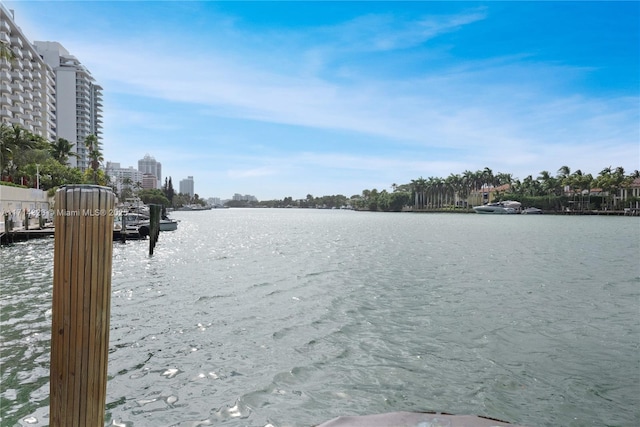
x=21 y=235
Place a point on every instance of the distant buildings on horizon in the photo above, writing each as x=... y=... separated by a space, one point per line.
x=148 y=176
x=151 y=169
x=187 y=186
x=246 y=198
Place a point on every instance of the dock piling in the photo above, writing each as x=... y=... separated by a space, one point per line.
x=154 y=226
x=81 y=305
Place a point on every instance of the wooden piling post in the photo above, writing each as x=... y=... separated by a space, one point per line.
x=154 y=226
x=81 y=305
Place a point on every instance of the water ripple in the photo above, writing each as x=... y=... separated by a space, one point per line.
x=290 y=318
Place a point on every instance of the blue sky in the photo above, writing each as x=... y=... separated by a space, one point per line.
x=280 y=99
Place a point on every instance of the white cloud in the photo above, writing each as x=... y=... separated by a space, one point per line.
x=510 y=113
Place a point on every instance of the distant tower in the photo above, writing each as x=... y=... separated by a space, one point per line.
x=149 y=165
x=186 y=186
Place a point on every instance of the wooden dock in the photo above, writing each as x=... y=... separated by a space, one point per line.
x=21 y=235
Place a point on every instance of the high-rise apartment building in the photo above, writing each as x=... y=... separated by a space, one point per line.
x=149 y=165
x=78 y=100
x=47 y=91
x=27 y=83
x=186 y=186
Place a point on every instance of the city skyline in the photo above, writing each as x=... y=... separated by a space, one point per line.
x=289 y=99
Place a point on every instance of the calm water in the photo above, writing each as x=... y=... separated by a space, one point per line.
x=293 y=317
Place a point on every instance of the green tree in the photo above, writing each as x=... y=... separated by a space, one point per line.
x=168 y=190
x=53 y=174
x=14 y=140
x=418 y=187
x=154 y=196
x=61 y=149
x=398 y=200
x=95 y=155
x=97 y=177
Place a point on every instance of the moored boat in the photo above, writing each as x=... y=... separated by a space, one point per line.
x=168 y=224
x=140 y=223
x=532 y=211
x=506 y=207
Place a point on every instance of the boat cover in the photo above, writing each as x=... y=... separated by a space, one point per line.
x=413 y=419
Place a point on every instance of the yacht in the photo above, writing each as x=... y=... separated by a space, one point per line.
x=506 y=207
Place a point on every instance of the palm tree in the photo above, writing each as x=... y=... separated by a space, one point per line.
x=468 y=180
x=477 y=181
x=95 y=154
x=418 y=186
x=549 y=183
x=503 y=178
x=616 y=182
x=455 y=188
x=13 y=140
x=564 y=174
x=61 y=150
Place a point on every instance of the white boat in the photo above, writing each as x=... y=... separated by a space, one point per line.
x=140 y=223
x=532 y=211
x=168 y=224
x=506 y=207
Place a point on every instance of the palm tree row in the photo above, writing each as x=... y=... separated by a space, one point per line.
x=473 y=188
x=24 y=155
x=456 y=189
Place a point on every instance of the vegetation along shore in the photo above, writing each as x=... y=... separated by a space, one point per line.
x=29 y=161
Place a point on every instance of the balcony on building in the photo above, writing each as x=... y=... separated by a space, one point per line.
x=17 y=41
x=18 y=97
x=6 y=88
x=4 y=26
x=16 y=75
x=17 y=86
x=5 y=76
x=4 y=37
x=17 y=52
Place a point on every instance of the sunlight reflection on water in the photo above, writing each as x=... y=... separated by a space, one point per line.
x=285 y=317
